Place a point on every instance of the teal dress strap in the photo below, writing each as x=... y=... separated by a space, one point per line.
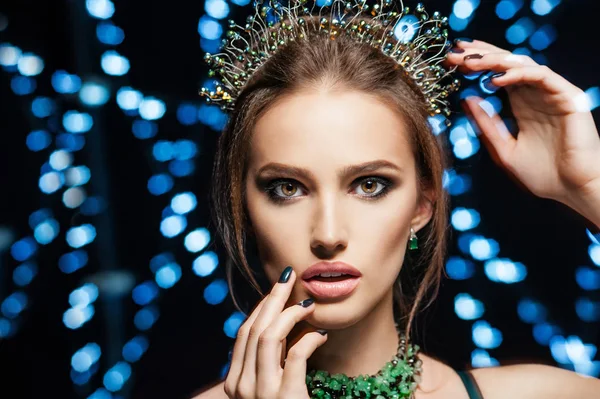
x=470 y=384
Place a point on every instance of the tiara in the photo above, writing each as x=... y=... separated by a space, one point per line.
x=415 y=40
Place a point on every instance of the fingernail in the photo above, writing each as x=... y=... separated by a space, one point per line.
x=489 y=86
x=322 y=332
x=473 y=57
x=497 y=75
x=306 y=303
x=463 y=39
x=285 y=275
x=457 y=50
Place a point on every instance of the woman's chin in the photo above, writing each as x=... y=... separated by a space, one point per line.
x=333 y=316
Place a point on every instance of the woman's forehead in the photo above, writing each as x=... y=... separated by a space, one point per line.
x=345 y=125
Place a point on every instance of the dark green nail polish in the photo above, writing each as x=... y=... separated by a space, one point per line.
x=285 y=275
x=463 y=39
x=457 y=50
x=306 y=303
x=473 y=57
x=497 y=75
x=322 y=332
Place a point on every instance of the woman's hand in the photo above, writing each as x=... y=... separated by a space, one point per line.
x=556 y=153
x=256 y=369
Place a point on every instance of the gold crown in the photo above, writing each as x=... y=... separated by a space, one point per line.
x=416 y=41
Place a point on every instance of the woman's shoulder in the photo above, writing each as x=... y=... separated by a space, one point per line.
x=213 y=391
x=528 y=381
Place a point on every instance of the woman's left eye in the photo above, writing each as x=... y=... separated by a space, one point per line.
x=372 y=187
x=369 y=185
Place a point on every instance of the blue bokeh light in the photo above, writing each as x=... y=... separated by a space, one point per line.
x=205 y=264
x=23 y=249
x=216 y=292
x=94 y=94
x=42 y=107
x=217 y=9
x=65 y=83
x=459 y=269
x=24 y=273
x=109 y=34
x=152 y=108
x=173 y=225
x=77 y=122
x=82 y=235
x=145 y=292
x=463 y=219
x=197 y=240
x=145 y=318
x=38 y=140
x=468 y=308
x=485 y=336
x=9 y=55
x=531 y=311
x=23 y=85
x=543 y=7
x=209 y=28
x=160 y=184
x=30 y=64
x=101 y=9
x=143 y=129
x=183 y=203
x=114 y=64
x=74 y=318
x=505 y=271
x=135 y=348
x=168 y=275
x=520 y=31
x=72 y=261
x=117 y=376
x=233 y=323
x=129 y=99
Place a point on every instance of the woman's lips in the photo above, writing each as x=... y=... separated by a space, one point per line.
x=331 y=289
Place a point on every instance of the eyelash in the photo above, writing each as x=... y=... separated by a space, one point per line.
x=272 y=185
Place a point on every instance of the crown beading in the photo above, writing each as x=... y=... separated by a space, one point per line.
x=414 y=39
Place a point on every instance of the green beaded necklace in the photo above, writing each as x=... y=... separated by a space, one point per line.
x=398 y=379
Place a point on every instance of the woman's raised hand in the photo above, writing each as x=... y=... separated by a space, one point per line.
x=257 y=369
x=556 y=151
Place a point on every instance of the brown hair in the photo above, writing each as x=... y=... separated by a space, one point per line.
x=339 y=64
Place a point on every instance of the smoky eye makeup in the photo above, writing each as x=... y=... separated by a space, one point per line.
x=280 y=189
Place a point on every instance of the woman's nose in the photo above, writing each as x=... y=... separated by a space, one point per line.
x=329 y=226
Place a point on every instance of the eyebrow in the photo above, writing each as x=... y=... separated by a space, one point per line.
x=297 y=172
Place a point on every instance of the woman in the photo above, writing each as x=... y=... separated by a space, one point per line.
x=328 y=166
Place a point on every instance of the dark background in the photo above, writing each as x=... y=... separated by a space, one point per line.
x=188 y=347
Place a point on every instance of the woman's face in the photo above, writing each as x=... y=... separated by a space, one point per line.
x=325 y=210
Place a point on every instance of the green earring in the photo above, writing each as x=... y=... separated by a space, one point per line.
x=412 y=244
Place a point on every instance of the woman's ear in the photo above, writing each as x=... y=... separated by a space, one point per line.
x=424 y=210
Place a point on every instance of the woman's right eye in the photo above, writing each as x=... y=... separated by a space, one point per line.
x=283 y=190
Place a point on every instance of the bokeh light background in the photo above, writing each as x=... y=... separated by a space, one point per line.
x=110 y=283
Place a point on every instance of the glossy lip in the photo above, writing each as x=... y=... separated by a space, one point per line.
x=330 y=290
x=334 y=289
x=330 y=267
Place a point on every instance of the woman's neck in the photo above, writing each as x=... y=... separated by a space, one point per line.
x=362 y=348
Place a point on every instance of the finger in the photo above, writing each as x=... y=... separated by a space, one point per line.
x=544 y=78
x=495 y=134
x=239 y=349
x=270 y=345
x=480 y=44
x=272 y=307
x=456 y=57
x=499 y=62
x=294 y=373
